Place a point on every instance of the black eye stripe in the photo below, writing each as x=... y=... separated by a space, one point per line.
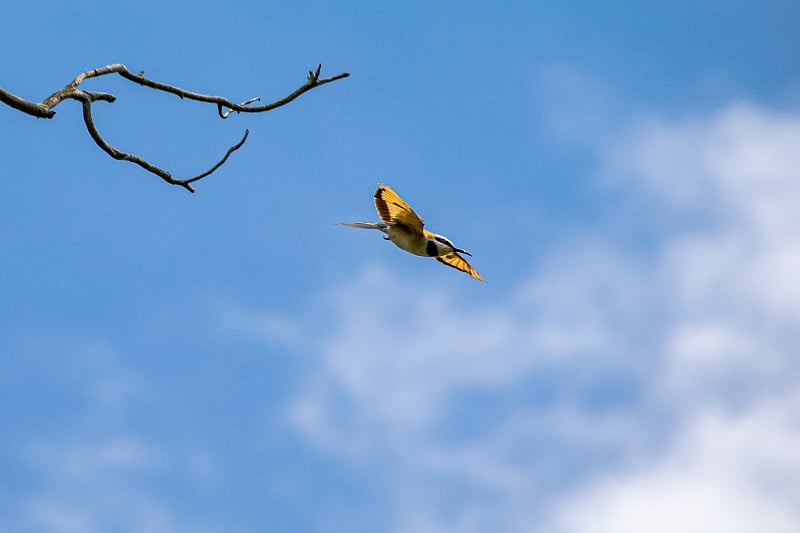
x=444 y=241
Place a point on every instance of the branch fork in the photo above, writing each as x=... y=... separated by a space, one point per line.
x=224 y=108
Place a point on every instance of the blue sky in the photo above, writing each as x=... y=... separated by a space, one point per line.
x=625 y=177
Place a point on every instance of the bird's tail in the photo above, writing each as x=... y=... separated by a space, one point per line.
x=381 y=226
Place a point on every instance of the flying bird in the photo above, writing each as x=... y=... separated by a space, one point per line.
x=405 y=229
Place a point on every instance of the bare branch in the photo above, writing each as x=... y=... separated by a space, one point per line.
x=86 y=99
x=20 y=104
x=224 y=108
x=220 y=163
x=313 y=80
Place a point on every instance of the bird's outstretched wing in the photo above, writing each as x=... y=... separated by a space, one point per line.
x=393 y=210
x=459 y=263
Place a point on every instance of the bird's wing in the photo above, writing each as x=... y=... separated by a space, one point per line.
x=456 y=261
x=392 y=209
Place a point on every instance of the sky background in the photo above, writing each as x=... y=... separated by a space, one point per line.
x=625 y=176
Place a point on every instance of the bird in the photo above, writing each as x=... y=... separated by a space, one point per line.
x=405 y=229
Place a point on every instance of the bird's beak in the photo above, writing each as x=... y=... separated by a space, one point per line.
x=463 y=252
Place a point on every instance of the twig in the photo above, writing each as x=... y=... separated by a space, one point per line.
x=219 y=164
x=227 y=113
x=224 y=108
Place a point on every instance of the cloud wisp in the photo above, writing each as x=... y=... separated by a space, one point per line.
x=90 y=468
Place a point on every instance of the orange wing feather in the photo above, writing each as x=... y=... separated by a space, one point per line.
x=456 y=261
x=392 y=209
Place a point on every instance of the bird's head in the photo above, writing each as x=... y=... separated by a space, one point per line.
x=444 y=246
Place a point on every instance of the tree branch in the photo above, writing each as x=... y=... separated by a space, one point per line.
x=224 y=108
x=20 y=104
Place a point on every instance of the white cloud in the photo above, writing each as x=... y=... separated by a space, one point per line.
x=733 y=473
x=403 y=373
x=268 y=327
x=93 y=472
x=81 y=461
x=496 y=416
x=88 y=485
x=729 y=342
x=399 y=357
